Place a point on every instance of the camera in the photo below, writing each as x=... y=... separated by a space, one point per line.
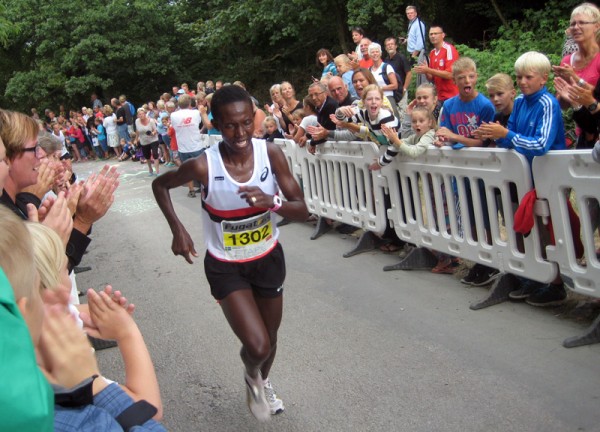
x=148 y=132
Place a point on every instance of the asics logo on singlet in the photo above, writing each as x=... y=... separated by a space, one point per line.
x=264 y=174
x=219 y=178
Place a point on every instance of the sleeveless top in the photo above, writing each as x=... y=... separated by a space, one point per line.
x=234 y=231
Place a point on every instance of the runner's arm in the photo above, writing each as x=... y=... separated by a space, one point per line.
x=194 y=169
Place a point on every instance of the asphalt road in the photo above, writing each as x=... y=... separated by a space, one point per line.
x=359 y=349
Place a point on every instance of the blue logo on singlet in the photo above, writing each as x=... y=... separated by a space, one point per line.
x=264 y=174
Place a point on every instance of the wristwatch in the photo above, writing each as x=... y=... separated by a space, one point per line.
x=593 y=107
x=277 y=203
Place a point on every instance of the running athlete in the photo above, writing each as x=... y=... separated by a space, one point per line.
x=244 y=262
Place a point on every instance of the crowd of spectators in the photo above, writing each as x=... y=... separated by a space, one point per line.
x=361 y=95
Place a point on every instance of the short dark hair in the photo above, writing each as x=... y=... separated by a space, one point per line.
x=358 y=30
x=225 y=96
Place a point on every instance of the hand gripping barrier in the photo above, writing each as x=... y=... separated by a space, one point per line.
x=476 y=176
x=338 y=185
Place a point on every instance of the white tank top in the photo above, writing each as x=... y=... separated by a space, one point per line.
x=234 y=231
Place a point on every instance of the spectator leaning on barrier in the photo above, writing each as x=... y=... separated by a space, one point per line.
x=339 y=91
x=326 y=106
x=535 y=127
x=461 y=116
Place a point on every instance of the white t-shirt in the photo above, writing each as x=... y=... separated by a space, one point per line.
x=110 y=124
x=186 y=123
x=310 y=120
x=379 y=78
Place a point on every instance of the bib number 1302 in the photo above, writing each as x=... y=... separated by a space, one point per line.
x=248 y=237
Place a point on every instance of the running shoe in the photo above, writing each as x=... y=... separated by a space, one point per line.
x=526 y=288
x=275 y=404
x=485 y=275
x=472 y=275
x=257 y=402
x=548 y=295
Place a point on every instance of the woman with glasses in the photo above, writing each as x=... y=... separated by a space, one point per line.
x=580 y=71
x=23 y=156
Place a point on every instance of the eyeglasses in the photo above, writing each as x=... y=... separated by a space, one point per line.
x=37 y=151
x=580 y=23
x=315 y=94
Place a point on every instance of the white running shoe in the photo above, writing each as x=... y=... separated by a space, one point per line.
x=275 y=404
x=256 y=398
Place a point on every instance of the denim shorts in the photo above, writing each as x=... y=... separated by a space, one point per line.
x=190 y=155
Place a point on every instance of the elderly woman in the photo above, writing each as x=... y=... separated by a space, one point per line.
x=384 y=75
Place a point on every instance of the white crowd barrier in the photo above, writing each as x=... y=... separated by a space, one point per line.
x=482 y=178
x=338 y=185
x=557 y=175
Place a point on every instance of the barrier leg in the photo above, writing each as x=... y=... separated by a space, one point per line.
x=417 y=259
x=283 y=222
x=591 y=336
x=321 y=228
x=498 y=293
x=365 y=243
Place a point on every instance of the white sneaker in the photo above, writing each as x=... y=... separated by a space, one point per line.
x=256 y=398
x=275 y=404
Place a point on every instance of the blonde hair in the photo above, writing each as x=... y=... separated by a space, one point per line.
x=533 y=61
x=463 y=64
x=107 y=110
x=500 y=81
x=427 y=113
x=587 y=9
x=15 y=130
x=269 y=119
x=48 y=254
x=369 y=88
x=16 y=254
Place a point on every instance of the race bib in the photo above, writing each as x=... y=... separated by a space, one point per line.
x=248 y=238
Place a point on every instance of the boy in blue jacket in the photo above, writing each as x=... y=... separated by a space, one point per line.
x=535 y=127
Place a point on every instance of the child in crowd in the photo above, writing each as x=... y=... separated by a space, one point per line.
x=461 y=116
x=423 y=125
x=127 y=150
x=534 y=127
x=107 y=321
x=501 y=91
x=65 y=358
x=102 y=139
x=173 y=145
x=271 y=130
x=425 y=96
x=165 y=139
x=309 y=118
